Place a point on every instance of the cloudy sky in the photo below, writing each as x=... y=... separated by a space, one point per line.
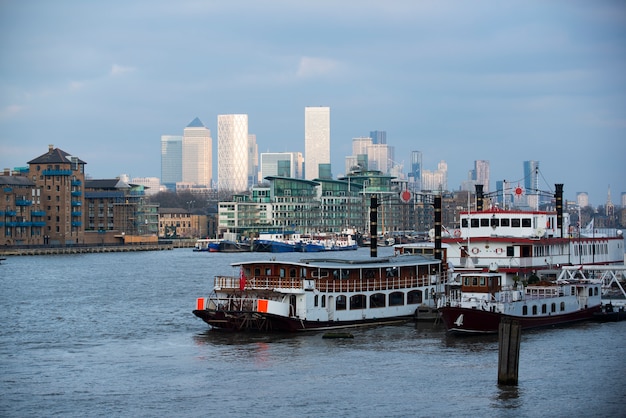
x=458 y=80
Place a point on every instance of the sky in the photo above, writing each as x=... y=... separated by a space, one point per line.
x=457 y=80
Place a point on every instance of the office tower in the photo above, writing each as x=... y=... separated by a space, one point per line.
x=360 y=145
x=316 y=140
x=197 y=154
x=415 y=175
x=378 y=137
x=281 y=164
x=531 y=183
x=171 y=160
x=380 y=157
x=481 y=174
x=253 y=160
x=436 y=180
x=582 y=199
x=232 y=153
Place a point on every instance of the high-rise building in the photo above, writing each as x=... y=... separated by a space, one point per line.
x=378 y=137
x=531 y=183
x=253 y=160
x=281 y=164
x=316 y=140
x=436 y=180
x=582 y=199
x=197 y=154
x=380 y=157
x=481 y=174
x=415 y=176
x=232 y=153
x=171 y=160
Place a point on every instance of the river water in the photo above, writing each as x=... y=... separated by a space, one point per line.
x=113 y=335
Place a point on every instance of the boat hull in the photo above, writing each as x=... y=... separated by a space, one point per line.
x=477 y=321
x=256 y=321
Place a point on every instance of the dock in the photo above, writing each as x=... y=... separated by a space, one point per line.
x=80 y=249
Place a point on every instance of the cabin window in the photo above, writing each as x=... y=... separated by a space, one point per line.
x=315 y=300
x=482 y=281
x=495 y=222
x=553 y=307
x=464 y=223
x=340 y=304
x=544 y=309
x=484 y=222
x=510 y=252
x=292 y=273
x=257 y=271
x=369 y=273
x=526 y=223
x=320 y=274
x=475 y=223
x=595 y=291
x=562 y=306
x=268 y=271
x=524 y=310
x=323 y=301
x=357 y=302
x=534 y=309
x=505 y=222
x=392 y=272
x=414 y=297
x=396 y=299
x=515 y=222
x=590 y=292
x=302 y=272
x=282 y=272
x=474 y=281
x=377 y=300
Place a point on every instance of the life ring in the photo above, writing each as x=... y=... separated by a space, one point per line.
x=457 y=233
x=475 y=250
x=499 y=250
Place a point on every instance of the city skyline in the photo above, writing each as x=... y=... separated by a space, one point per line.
x=504 y=83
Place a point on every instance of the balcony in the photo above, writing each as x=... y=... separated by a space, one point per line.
x=23 y=202
x=8 y=189
x=38 y=213
x=10 y=213
x=76 y=193
x=76 y=182
x=57 y=172
x=39 y=223
x=76 y=203
x=77 y=223
x=77 y=214
x=23 y=223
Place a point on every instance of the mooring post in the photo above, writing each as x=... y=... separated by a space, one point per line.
x=373 y=226
x=509 y=337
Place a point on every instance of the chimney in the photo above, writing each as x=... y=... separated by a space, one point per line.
x=7 y=172
x=50 y=147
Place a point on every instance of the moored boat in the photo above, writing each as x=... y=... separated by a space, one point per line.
x=207 y=245
x=477 y=302
x=322 y=293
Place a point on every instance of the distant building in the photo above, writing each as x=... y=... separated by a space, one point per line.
x=415 y=175
x=281 y=164
x=316 y=140
x=171 y=160
x=582 y=199
x=436 y=180
x=151 y=185
x=197 y=154
x=177 y=223
x=22 y=211
x=253 y=160
x=378 y=137
x=232 y=153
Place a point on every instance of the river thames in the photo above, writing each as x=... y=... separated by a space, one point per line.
x=113 y=335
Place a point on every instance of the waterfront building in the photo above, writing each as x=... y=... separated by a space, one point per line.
x=22 y=214
x=171 y=160
x=119 y=210
x=60 y=178
x=197 y=154
x=232 y=153
x=316 y=140
x=281 y=164
x=175 y=223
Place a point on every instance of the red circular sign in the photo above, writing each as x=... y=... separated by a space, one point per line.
x=405 y=196
x=518 y=191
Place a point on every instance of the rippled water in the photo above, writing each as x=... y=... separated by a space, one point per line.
x=113 y=335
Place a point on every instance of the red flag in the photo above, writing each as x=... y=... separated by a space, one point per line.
x=242 y=280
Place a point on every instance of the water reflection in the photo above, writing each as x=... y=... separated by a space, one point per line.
x=507 y=397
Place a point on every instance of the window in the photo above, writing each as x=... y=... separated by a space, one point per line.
x=515 y=222
x=526 y=223
x=323 y=301
x=544 y=309
x=340 y=304
x=484 y=222
x=414 y=297
x=505 y=222
x=524 y=310
x=475 y=223
x=534 y=309
x=553 y=307
x=377 y=300
x=562 y=306
x=396 y=299
x=495 y=222
x=315 y=300
x=357 y=302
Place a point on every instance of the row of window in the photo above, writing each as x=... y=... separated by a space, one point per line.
x=495 y=222
x=377 y=300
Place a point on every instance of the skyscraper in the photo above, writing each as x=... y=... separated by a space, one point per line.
x=197 y=155
x=283 y=164
x=378 y=137
x=232 y=153
x=415 y=176
x=316 y=140
x=481 y=174
x=171 y=160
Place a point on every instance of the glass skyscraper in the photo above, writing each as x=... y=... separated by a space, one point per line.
x=316 y=140
x=171 y=160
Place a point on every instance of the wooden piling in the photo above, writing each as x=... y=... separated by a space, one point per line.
x=509 y=338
